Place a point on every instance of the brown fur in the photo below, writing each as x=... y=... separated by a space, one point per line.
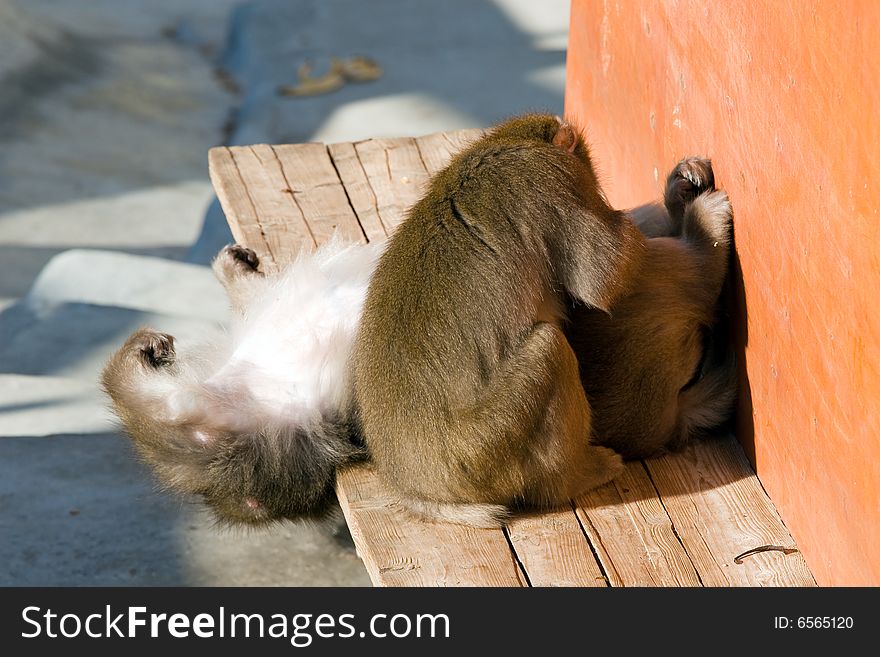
x=654 y=369
x=467 y=389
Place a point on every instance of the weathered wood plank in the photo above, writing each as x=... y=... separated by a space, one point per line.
x=400 y=550
x=720 y=510
x=632 y=533
x=383 y=177
x=553 y=550
x=314 y=184
x=238 y=206
x=280 y=219
x=360 y=194
x=396 y=173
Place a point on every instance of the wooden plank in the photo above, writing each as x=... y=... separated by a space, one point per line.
x=396 y=173
x=313 y=182
x=401 y=550
x=632 y=534
x=280 y=219
x=383 y=177
x=360 y=194
x=721 y=511
x=553 y=550
x=237 y=204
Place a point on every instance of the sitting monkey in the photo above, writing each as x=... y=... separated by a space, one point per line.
x=258 y=423
x=655 y=368
x=468 y=392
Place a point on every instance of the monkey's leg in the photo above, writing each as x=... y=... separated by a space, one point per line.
x=237 y=268
x=687 y=180
x=566 y=463
x=537 y=409
x=153 y=393
x=706 y=401
x=142 y=373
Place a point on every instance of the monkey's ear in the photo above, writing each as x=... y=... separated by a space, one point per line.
x=566 y=137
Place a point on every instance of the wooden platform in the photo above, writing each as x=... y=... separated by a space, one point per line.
x=700 y=518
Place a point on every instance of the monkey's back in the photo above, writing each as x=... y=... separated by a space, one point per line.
x=462 y=282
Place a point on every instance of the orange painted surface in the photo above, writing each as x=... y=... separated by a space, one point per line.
x=785 y=97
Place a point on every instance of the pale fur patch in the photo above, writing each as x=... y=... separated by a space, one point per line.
x=285 y=360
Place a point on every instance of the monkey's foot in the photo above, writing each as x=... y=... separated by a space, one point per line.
x=154 y=349
x=687 y=180
x=235 y=261
x=242 y=257
x=711 y=216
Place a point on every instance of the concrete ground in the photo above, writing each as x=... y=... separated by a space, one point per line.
x=107 y=222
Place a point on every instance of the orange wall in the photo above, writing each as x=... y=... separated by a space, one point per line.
x=785 y=97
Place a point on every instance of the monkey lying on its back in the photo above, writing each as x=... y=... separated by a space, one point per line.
x=467 y=389
x=258 y=423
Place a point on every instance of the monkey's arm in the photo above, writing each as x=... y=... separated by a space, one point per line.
x=597 y=256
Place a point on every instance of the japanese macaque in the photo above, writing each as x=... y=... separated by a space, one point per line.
x=474 y=383
x=259 y=424
x=467 y=390
x=657 y=369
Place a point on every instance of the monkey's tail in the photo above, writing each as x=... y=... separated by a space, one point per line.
x=709 y=402
x=490 y=516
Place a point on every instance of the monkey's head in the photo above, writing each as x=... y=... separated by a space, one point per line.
x=545 y=128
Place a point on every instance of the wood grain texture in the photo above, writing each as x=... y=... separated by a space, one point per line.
x=783 y=97
x=554 y=550
x=280 y=199
x=720 y=511
x=316 y=189
x=360 y=195
x=238 y=206
x=633 y=535
x=384 y=177
x=396 y=174
x=400 y=550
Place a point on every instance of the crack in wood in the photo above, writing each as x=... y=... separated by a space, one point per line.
x=293 y=194
x=672 y=524
x=253 y=206
x=347 y=196
x=602 y=568
x=372 y=191
x=516 y=559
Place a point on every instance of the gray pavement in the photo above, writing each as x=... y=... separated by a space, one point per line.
x=106 y=223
